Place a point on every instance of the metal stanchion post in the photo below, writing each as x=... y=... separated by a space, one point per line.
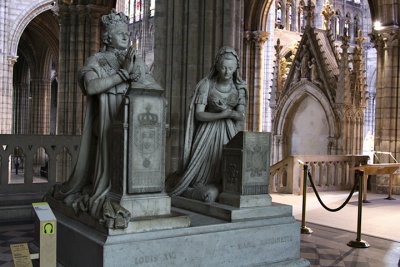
x=391 y=177
x=304 y=228
x=359 y=243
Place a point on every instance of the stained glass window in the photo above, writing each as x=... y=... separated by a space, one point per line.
x=131 y=12
x=289 y=17
x=138 y=10
x=152 y=7
x=279 y=13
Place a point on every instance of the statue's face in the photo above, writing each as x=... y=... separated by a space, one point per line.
x=226 y=68
x=119 y=37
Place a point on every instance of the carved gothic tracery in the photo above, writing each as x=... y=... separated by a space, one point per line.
x=338 y=82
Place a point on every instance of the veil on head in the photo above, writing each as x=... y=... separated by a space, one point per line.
x=221 y=52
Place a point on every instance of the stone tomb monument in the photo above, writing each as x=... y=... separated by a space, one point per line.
x=113 y=211
x=243 y=229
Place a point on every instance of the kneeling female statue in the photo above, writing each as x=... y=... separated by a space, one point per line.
x=216 y=114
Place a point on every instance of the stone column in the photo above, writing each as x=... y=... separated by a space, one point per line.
x=21 y=84
x=255 y=105
x=79 y=38
x=246 y=66
x=39 y=122
x=278 y=144
x=387 y=116
x=145 y=42
x=6 y=65
x=269 y=57
x=21 y=108
x=6 y=72
x=370 y=114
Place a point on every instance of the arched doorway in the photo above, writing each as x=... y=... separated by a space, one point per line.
x=33 y=73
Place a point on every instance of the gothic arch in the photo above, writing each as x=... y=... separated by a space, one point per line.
x=38 y=45
x=257 y=15
x=24 y=19
x=297 y=93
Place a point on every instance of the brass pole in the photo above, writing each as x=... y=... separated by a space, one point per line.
x=359 y=243
x=391 y=176
x=304 y=228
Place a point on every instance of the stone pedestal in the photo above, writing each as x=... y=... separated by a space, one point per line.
x=271 y=241
x=138 y=145
x=246 y=160
x=138 y=153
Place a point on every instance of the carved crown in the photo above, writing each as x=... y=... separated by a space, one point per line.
x=148 y=118
x=113 y=19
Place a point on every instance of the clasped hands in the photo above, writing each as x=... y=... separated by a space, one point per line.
x=233 y=114
x=129 y=71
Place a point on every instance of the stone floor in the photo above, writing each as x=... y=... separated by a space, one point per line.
x=326 y=246
x=13 y=233
x=380 y=217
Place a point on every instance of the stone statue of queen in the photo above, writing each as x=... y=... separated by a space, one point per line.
x=216 y=114
x=104 y=79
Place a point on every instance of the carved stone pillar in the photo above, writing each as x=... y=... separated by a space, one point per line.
x=387 y=116
x=255 y=84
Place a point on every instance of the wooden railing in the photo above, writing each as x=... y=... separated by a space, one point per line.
x=329 y=172
x=43 y=161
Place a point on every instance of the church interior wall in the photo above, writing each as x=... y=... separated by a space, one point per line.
x=180 y=47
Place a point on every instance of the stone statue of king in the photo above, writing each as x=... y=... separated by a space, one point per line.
x=104 y=79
